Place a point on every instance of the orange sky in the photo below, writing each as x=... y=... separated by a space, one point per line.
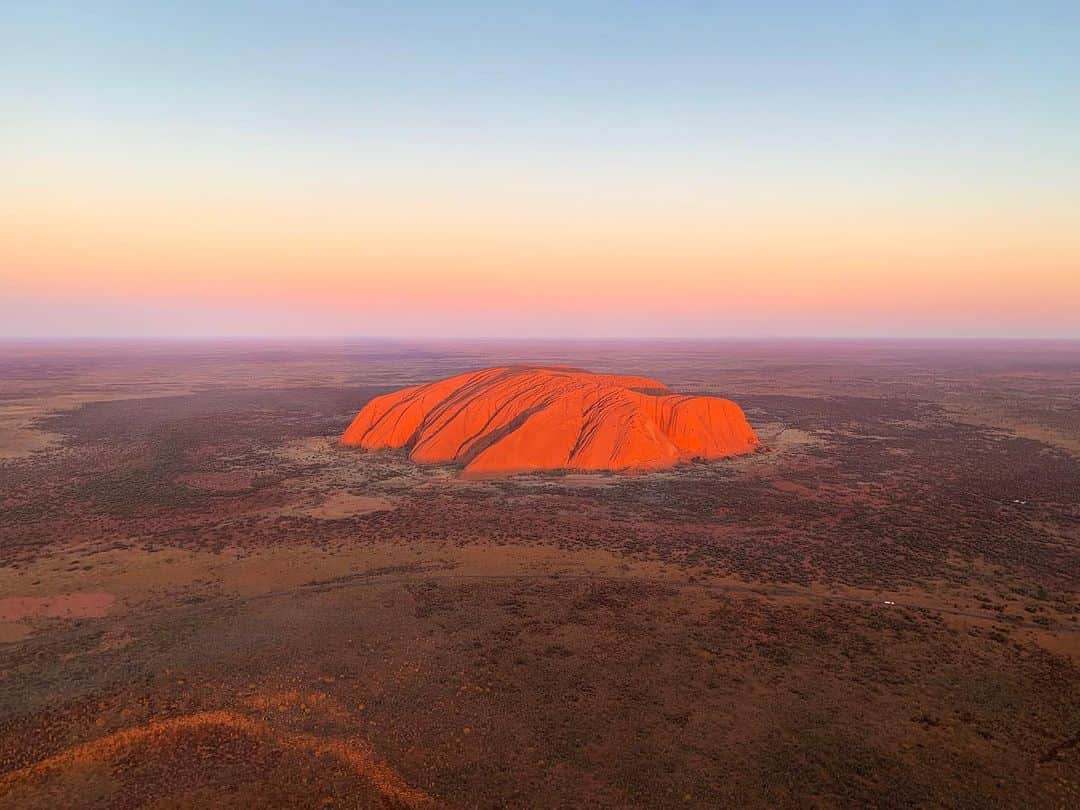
x=332 y=250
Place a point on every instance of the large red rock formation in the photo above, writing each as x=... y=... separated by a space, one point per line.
x=514 y=419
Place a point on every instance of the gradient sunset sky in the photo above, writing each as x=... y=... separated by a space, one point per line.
x=558 y=169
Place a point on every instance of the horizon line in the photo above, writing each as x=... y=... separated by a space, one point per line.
x=534 y=338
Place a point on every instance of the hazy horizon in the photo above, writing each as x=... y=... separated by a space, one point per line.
x=404 y=340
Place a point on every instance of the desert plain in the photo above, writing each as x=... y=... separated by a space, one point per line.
x=207 y=601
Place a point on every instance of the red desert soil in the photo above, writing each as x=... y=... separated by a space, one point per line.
x=515 y=419
x=65 y=606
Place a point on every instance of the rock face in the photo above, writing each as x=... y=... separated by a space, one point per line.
x=516 y=419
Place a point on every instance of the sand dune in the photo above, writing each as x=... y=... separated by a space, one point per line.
x=168 y=739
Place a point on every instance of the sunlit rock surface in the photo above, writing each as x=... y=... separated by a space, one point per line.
x=516 y=419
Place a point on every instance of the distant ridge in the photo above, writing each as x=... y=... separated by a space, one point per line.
x=520 y=418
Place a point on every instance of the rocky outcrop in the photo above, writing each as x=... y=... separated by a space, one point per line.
x=516 y=419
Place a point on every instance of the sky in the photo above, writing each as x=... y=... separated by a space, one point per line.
x=673 y=168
